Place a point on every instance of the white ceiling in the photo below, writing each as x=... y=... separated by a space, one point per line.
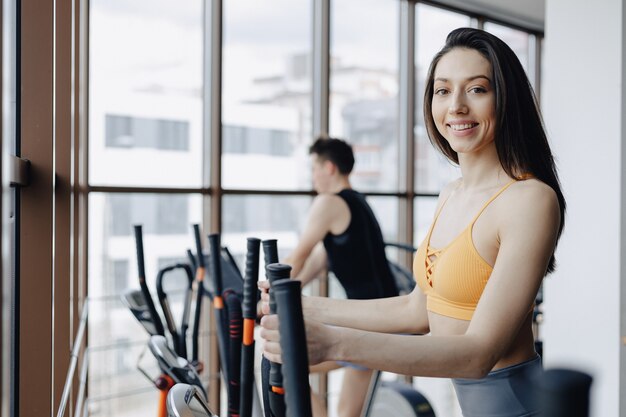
x=528 y=13
x=532 y=9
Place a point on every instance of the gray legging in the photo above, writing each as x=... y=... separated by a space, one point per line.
x=506 y=392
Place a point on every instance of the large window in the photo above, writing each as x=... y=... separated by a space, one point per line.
x=263 y=217
x=266 y=100
x=364 y=88
x=145 y=131
x=137 y=132
x=150 y=116
x=145 y=93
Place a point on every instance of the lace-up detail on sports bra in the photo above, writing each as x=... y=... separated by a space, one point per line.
x=453 y=277
x=432 y=255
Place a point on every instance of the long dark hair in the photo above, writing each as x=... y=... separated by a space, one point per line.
x=520 y=137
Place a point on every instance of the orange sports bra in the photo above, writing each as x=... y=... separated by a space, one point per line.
x=453 y=278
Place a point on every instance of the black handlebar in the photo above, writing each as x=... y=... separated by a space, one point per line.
x=179 y=339
x=198 y=239
x=273 y=393
x=218 y=302
x=235 y=330
x=270 y=251
x=200 y=272
x=250 y=279
x=250 y=292
x=216 y=264
x=276 y=272
x=295 y=369
x=158 y=325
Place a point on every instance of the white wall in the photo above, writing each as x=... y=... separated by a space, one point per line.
x=582 y=102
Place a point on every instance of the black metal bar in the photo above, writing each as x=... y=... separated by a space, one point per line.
x=235 y=330
x=218 y=302
x=142 y=281
x=226 y=192
x=249 y=305
x=179 y=336
x=276 y=272
x=295 y=367
x=200 y=272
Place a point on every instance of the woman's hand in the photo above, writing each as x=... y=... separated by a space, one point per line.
x=321 y=339
x=271 y=338
x=263 y=307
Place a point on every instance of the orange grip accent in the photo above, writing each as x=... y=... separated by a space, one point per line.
x=162 y=407
x=248 y=332
x=278 y=390
x=219 y=303
x=200 y=272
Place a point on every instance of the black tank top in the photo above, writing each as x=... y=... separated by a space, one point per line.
x=357 y=256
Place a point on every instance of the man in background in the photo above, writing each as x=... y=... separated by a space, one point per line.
x=342 y=235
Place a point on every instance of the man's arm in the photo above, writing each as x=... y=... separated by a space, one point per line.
x=329 y=213
x=314 y=266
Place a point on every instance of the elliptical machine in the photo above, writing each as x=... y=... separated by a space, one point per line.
x=185 y=400
x=172 y=362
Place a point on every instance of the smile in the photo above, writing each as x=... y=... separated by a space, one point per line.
x=465 y=126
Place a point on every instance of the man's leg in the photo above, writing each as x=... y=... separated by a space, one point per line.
x=317 y=401
x=317 y=405
x=354 y=388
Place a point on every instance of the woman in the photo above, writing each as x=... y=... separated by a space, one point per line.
x=490 y=245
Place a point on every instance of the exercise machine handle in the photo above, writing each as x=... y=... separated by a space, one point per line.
x=250 y=292
x=233 y=306
x=218 y=303
x=216 y=268
x=295 y=367
x=200 y=273
x=276 y=272
x=158 y=325
x=270 y=251
x=179 y=338
x=250 y=279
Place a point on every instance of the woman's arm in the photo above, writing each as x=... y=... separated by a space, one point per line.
x=437 y=356
x=401 y=314
x=528 y=222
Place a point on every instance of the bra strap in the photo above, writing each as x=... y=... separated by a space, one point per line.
x=500 y=191
x=437 y=213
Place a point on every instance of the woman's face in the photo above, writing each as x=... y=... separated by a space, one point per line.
x=463 y=103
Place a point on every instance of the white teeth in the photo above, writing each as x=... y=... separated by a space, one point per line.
x=463 y=127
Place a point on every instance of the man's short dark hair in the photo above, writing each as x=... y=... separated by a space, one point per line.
x=337 y=151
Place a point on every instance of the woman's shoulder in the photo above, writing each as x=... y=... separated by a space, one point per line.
x=531 y=189
x=530 y=198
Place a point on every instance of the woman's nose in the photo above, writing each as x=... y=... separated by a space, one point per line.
x=457 y=104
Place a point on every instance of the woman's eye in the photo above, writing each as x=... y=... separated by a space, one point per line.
x=478 y=90
x=441 y=91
